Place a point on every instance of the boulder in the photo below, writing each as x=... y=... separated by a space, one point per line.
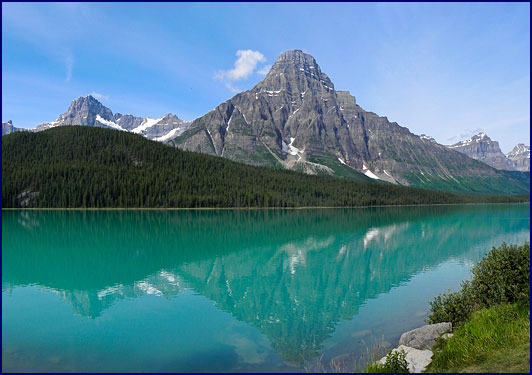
x=417 y=359
x=424 y=337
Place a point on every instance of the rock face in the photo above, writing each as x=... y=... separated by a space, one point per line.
x=88 y=111
x=425 y=337
x=7 y=127
x=482 y=148
x=417 y=359
x=296 y=119
x=127 y=122
x=520 y=157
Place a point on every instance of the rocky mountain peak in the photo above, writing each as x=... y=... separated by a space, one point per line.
x=170 y=118
x=521 y=148
x=483 y=148
x=295 y=71
x=520 y=157
x=85 y=111
x=7 y=127
x=480 y=140
x=295 y=57
x=481 y=137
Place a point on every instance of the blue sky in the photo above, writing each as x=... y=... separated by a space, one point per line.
x=447 y=70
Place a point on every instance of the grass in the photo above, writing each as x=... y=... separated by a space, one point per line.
x=495 y=339
x=372 y=354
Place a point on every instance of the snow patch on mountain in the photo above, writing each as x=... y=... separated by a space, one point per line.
x=111 y=124
x=148 y=123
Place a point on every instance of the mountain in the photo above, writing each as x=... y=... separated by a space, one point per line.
x=89 y=166
x=520 y=157
x=90 y=112
x=8 y=128
x=481 y=147
x=295 y=119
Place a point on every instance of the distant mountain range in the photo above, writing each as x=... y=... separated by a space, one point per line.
x=90 y=112
x=482 y=148
x=295 y=119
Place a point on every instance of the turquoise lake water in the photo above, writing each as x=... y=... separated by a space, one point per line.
x=231 y=290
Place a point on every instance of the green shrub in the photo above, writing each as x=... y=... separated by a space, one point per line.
x=452 y=307
x=503 y=276
x=395 y=363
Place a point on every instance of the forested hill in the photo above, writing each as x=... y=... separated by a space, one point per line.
x=75 y=166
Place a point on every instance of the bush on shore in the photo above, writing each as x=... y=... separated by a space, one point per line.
x=502 y=277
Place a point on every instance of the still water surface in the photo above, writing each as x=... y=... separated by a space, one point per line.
x=259 y=290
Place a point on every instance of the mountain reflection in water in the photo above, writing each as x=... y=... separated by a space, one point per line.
x=292 y=274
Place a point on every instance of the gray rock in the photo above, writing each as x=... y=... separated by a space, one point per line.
x=127 y=122
x=446 y=336
x=7 y=127
x=520 y=157
x=424 y=337
x=417 y=360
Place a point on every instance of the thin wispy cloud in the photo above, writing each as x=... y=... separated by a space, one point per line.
x=69 y=65
x=232 y=88
x=99 y=96
x=245 y=65
x=264 y=70
x=470 y=133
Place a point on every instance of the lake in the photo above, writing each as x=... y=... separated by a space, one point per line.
x=231 y=290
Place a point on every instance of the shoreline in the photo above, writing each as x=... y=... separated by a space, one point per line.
x=242 y=208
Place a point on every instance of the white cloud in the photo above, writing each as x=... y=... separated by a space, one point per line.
x=452 y=138
x=470 y=133
x=245 y=65
x=264 y=70
x=232 y=88
x=99 y=96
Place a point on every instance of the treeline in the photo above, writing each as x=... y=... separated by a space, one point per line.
x=79 y=166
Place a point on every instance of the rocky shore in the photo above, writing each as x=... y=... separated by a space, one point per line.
x=417 y=345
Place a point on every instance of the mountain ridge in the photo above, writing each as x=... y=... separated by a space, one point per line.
x=295 y=119
x=88 y=111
